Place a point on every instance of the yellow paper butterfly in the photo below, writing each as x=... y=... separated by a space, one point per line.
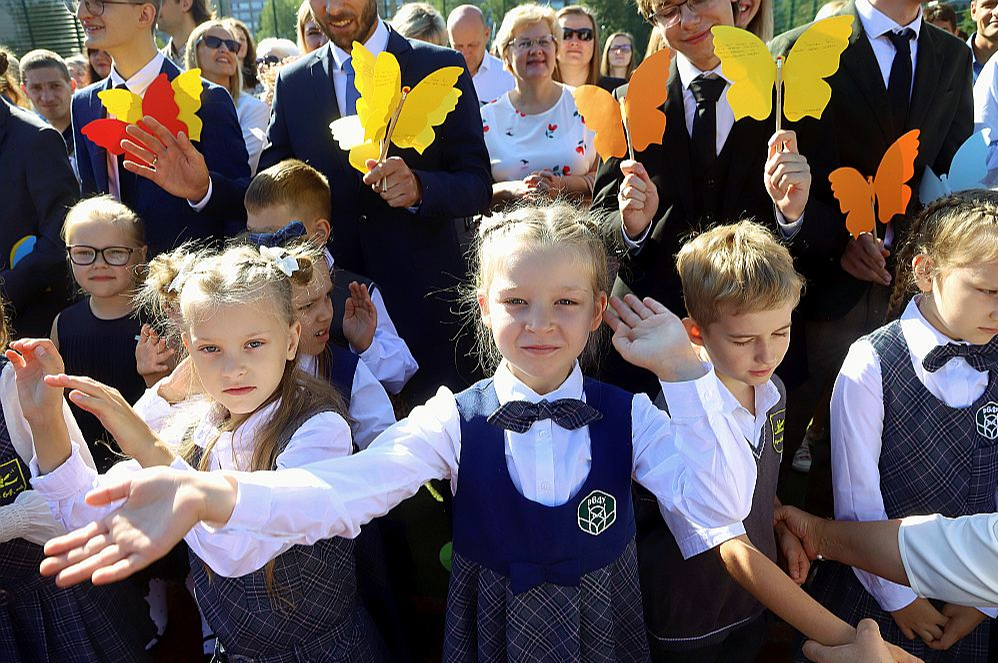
x=127 y=106
x=748 y=64
x=379 y=82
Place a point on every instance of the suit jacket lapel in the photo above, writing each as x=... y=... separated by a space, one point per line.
x=98 y=155
x=322 y=69
x=927 y=70
x=860 y=64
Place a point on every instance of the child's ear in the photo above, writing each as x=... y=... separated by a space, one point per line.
x=293 y=339
x=143 y=253
x=921 y=269
x=186 y=340
x=483 y=306
x=693 y=330
x=322 y=231
x=599 y=309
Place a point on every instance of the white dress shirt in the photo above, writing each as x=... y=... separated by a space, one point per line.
x=323 y=436
x=28 y=516
x=388 y=356
x=876 y=25
x=857 y=425
x=254 y=117
x=492 y=80
x=691 y=462
x=952 y=559
x=138 y=84
x=986 y=112
x=376 y=44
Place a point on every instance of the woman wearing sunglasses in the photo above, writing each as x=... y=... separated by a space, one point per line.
x=214 y=49
x=578 y=63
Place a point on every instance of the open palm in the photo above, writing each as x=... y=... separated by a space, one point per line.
x=32 y=360
x=649 y=335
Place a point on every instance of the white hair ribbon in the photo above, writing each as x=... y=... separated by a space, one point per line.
x=279 y=256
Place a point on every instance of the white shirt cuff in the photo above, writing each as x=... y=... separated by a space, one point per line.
x=787 y=228
x=253 y=505
x=690 y=399
x=65 y=481
x=634 y=245
x=200 y=205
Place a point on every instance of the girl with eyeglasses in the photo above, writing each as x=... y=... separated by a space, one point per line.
x=214 y=48
x=578 y=63
x=619 y=56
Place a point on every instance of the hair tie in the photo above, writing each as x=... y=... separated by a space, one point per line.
x=278 y=255
x=177 y=284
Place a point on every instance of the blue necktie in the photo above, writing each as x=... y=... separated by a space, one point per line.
x=352 y=95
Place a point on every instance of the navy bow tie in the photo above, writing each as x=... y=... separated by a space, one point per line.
x=980 y=357
x=519 y=416
x=282 y=237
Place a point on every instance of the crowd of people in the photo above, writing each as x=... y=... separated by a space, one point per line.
x=232 y=357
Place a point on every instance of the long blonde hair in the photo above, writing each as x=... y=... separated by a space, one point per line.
x=192 y=61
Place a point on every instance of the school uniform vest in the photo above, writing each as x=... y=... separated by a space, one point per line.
x=934 y=459
x=41 y=623
x=533 y=583
x=694 y=603
x=341 y=365
x=709 y=187
x=309 y=614
x=342 y=278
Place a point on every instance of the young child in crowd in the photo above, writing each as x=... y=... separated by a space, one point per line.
x=38 y=620
x=912 y=423
x=97 y=335
x=544 y=562
x=271 y=601
x=294 y=191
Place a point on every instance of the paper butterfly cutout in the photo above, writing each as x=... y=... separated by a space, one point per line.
x=174 y=105
x=645 y=121
x=967 y=170
x=748 y=64
x=888 y=190
x=379 y=81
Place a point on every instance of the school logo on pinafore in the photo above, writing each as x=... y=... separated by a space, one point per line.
x=11 y=480
x=597 y=512
x=778 y=420
x=987 y=420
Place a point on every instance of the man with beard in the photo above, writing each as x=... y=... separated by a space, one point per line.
x=404 y=235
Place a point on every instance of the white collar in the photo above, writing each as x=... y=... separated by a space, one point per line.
x=143 y=78
x=509 y=388
x=766 y=396
x=240 y=442
x=377 y=44
x=919 y=333
x=329 y=258
x=877 y=24
x=488 y=60
x=689 y=71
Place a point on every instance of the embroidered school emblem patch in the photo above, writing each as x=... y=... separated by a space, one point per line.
x=597 y=512
x=11 y=481
x=987 y=420
x=777 y=421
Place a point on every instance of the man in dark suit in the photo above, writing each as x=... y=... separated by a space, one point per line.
x=406 y=238
x=39 y=187
x=181 y=192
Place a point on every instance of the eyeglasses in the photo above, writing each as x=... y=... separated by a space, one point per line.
x=669 y=16
x=546 y=42
x=215 y=43
x=94 y=7
x=622 y=48
x=115 y=256
x=582 y=34
x=268 y=59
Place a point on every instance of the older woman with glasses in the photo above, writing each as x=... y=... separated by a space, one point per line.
x=214 y=48
x=538 y=144
x=578 y=63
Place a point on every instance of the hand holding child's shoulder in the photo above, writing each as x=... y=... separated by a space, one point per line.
x=649 y=335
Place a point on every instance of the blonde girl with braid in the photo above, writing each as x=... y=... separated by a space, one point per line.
x=267 y=601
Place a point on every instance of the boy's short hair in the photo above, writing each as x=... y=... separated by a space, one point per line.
x=940 y=11
x=39 y=58
x=292 y=183
x=734 y=269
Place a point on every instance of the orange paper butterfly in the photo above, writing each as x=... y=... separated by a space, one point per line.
x=642 y=103
x=173 y=104
x=888 y=190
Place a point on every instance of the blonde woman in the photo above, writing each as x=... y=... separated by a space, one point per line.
x=310 y=35
x=620 y=56
x=421 y=20
x=214 y=48
x=538 y=144
x=578 y=63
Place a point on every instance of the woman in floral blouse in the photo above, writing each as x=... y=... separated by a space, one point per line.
x=538 y=144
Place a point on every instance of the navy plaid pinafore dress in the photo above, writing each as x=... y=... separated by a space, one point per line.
x=537 y=584
x=934 y=459
x=310 y=615
x=41 y=623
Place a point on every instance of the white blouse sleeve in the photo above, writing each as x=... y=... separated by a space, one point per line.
x=370 y=407
x=857 y=425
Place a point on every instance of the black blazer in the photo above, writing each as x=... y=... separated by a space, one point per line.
x=170 y=220
x=39 y=187
x=413 y=256
x=857 y=128
x=651 y=271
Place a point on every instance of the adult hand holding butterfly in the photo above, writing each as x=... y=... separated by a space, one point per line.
x=787 y=176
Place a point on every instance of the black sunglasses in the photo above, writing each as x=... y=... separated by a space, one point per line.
x=215 y=43
x=584 y=34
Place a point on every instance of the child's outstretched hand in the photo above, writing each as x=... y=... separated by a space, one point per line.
x=360 y=319
x=152 y=356
x=160 y=506
x=106 y=403
x=649 y=335
x=33 y=359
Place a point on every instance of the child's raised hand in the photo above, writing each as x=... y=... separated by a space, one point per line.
x=787 y=175
x=160 y=506
x=962 y=620
x=638 y=198
x=360 y=319
x=107 y=404
x=152 y=356
x=33 y=359
x=649 y=335
x=920 y=619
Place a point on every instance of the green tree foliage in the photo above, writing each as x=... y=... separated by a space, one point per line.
x=278 y=18
x=789 y=14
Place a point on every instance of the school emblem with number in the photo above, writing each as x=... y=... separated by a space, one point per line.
x=597 y=512
x=987 y=420
x=778 y=420
x=11 y=481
